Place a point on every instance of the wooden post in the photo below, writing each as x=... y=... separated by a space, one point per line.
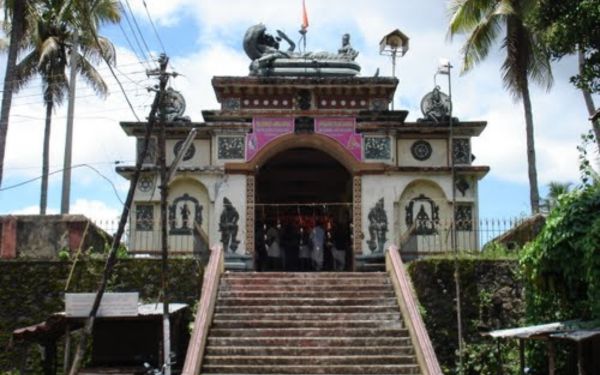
x=580 y=364
x=67 y=354
x=522 y=356
x=49 y=363
x=500 y=363
x=551 y=358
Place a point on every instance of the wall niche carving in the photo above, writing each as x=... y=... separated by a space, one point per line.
x=424 y=214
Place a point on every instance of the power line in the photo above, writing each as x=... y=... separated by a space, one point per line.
x=135 y=37
x=154 y=27
x=22 y=183
x=116 y=162
x=114 y=74
x=129 y=41
x=137 y=27
x=40 y=85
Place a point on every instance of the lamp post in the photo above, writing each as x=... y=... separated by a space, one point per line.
x=394 y=44
x=444 y=68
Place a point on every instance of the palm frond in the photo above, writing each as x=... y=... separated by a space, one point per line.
x=539 y=68
x=98 y=51
x=51 y=49
x=525 y=59
x=26 y=69
x=92 y=77
x=467 y=14
x=482 y=37
x=55 y=87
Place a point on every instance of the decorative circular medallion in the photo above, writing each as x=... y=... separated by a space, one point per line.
x=421 y=150
x=145 y=183
x=189 y=153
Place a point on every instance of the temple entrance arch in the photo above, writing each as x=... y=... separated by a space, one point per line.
x=298 y=189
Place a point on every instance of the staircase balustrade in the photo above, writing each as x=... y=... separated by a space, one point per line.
x=410 y=313
x=204 y=313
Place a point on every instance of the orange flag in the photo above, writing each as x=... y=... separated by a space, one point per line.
x=304 y=16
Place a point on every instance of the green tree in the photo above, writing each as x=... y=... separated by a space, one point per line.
x=483 y=21
x=49 y=47
x=568 y=26
x=573 y=27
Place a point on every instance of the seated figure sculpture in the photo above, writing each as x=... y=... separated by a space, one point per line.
x=267 y=59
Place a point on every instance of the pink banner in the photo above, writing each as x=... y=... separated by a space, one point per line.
x=342 y=129
x=265 y=130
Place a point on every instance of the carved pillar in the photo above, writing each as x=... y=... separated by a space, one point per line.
x=250 y=212
x=357 y=214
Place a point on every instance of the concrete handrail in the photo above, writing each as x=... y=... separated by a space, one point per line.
x=204 y=313
x=410 y=313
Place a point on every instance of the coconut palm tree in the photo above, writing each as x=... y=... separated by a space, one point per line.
x=50 y=46
x=15 y=25
x=484 y=21
x=555 y=190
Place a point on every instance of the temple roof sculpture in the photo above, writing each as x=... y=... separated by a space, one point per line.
x=268 y=60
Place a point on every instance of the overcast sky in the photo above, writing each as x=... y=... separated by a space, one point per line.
x=203 y=38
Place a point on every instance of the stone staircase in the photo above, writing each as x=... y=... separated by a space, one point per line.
x=308 y=323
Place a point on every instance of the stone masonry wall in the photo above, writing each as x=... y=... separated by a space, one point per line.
x=31 y=290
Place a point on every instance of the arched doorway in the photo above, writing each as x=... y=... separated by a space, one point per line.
x=297 y=190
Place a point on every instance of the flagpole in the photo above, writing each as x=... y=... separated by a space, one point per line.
x=304 y=27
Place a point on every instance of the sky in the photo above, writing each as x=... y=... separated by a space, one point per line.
x=203 y=38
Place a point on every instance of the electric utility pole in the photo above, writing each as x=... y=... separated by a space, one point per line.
x=112 y=255
x=163 y=78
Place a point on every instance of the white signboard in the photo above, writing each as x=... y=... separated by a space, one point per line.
x=113 y=304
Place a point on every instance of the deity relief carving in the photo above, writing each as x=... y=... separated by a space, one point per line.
x=230 y=148
x=184 y=214
x=228 y=226
x=424 y=214
x=378 y=227
x=461 y=151
x=463 y=217
x=377 y=148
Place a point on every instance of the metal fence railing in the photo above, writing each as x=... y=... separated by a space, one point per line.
x=427 y=237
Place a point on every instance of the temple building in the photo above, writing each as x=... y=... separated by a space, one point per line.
x=304 y=141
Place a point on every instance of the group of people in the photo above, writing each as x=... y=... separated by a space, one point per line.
x=299 y=247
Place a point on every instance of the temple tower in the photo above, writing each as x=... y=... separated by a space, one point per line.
x=303 y=140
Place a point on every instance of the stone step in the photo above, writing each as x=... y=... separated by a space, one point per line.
x=308 y=341
x=324 y=324
x=307 y=332
x=325 y=360
x=303 y=275
x=307 y=350
x=315 y=301
x=306 y=309
x=306 y=287
x=306 y=294
x=311 y=316
x=308 y=323
x=312 y=369
x=251 y=282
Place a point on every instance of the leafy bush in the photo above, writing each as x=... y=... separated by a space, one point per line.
x=562 y=266
x=562 y=270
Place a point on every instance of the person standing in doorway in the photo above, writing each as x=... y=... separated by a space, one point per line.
x=273 y=249
x=317 y=239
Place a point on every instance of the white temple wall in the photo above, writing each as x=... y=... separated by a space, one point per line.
x=200 y=153
x=397 y=192
x=232 y=187
x=438 y=158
